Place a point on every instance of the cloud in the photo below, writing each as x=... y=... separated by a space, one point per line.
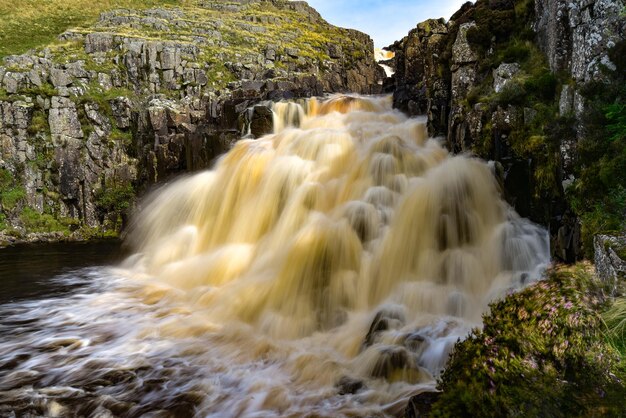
x=384 y=21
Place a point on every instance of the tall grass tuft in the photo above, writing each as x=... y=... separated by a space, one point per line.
x=615 y=320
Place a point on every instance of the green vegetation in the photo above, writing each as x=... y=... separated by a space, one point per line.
x=615 y=320
x=599 y=192
x=541 y=352
x=598 y=195
x=534 y=131
x=10 y=192
x=34 y=221
x=94 y=93
x=35 y=23
x=39 y=123
x=114 y=201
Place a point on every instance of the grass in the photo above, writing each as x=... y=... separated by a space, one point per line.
x=38 y=23
x=35 y=23
x=615 y=320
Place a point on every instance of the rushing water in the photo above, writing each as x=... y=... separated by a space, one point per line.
x=325 y=270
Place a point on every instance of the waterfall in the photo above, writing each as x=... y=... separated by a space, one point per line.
x=348 y=228
x=325 y=269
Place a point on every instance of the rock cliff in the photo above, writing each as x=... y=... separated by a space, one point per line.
x=504 y=79
x=91 y=120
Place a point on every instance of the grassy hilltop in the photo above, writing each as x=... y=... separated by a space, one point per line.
x=85 y=89
x=34 y=23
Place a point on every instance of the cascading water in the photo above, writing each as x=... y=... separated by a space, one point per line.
x=324 y=270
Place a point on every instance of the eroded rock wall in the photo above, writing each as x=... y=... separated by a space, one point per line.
x=144 y=95
x=502 y=80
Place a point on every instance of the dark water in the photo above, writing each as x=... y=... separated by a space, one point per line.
x=26 y=270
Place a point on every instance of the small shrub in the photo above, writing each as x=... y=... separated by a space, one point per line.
x=113 y=201
x=615 y=320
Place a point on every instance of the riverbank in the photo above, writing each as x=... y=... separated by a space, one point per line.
x=13 y=239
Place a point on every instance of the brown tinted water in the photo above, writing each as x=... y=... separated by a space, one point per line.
x=325 y=270
x=26 y=270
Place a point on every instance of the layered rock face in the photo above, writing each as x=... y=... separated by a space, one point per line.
x=502 y=79
x=108 y=110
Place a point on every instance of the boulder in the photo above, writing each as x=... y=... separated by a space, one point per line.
x=503 y=74
x=610 y=263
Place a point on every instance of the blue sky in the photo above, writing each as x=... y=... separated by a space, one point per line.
x=385 y=21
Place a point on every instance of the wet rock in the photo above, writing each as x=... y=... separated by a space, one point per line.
x=348 y=385
x=384 y=320
x=262 y=122
x=421 y=405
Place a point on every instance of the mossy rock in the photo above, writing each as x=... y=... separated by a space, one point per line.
x=541 y=352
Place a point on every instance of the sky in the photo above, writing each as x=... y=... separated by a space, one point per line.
x=385 y=21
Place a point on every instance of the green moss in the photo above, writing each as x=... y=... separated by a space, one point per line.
x=219 y=76
x=45 y=90
x=11 y=193
x=34 y=221
x=94 y=93
x=38 y=123
x=599 y=193
x=513 y=93
x=125 y=137
x=542 y=86
x=9 y=198
x=515 y=52
x=541 y=353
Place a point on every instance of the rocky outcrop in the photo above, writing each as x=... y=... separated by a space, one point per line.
x=502 y=80
x=609 y=259
x=143 y=95
x=420 y=82
x=576 y=35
